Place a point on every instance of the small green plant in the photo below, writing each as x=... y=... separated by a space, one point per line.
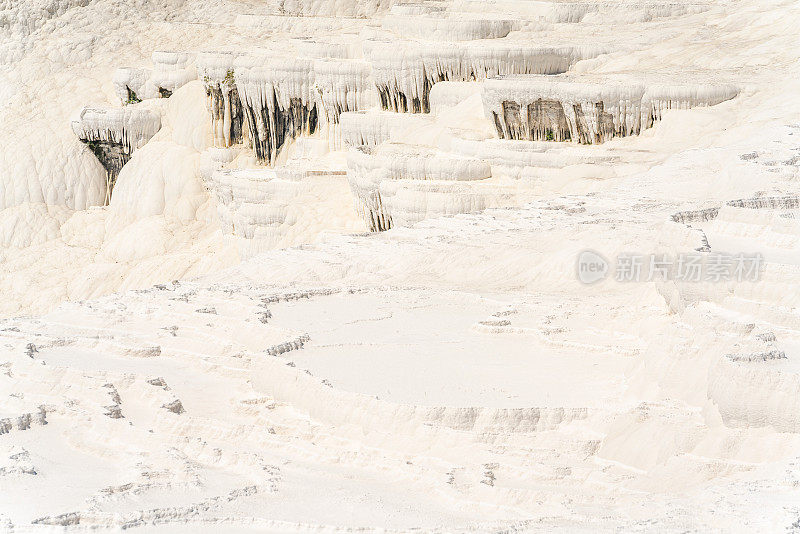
x=229 y=79
x=132 y=98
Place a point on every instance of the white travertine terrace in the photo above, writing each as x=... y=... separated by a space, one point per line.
x=406 y=202
x=128 y=126
x=373 y=127
x=447 y=29
x=661 y=97
x=577 y=12
x=131 y=84
x=339 y=8
x=305 y=309
x=260 y=208
x=172 y=70
x=369 y=168
x=343 y=86
x=405 y=71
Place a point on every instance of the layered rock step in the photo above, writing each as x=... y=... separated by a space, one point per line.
x=454 y=28
x=566 y=12
x=405 y=71
x=373 y=173
x=343 y=86
x=260 y=209
x=374 y=127
x=752 y=244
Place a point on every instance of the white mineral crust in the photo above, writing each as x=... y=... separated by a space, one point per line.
x=370 y=266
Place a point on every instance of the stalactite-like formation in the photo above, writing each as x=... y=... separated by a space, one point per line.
x=540 y=108
x=279 y=104
x=343 y=86
x=215 y=69
x=113 y=135
x=661 y=97
x=590 y=111
x=405 y=71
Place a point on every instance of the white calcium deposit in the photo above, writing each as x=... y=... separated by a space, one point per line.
x=334 y=285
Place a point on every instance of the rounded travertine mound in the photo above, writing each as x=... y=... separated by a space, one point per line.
x=160 y=179
x=368 y=168
x=449 y=94
x=31 y=224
